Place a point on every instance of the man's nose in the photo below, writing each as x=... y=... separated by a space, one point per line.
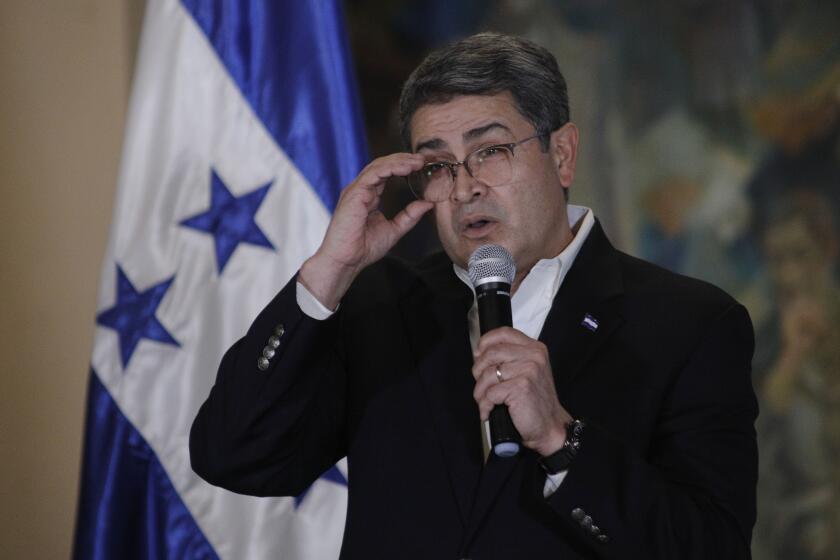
x=465 y=187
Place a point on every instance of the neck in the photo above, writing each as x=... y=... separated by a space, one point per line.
x=523 y=271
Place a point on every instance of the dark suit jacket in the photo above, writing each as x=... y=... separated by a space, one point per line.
x=668 y=462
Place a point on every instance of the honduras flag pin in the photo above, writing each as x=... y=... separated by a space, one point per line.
x=589 y=322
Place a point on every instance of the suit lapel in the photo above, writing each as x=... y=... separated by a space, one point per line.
x=436 y=318
x=494 y=475
x=585 y=310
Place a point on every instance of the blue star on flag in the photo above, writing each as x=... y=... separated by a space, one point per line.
x=230 y=219
x=333 y=475
x=133 y=315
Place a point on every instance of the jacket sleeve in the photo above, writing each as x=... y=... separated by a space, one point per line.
x=271 y=427
x=690 y=495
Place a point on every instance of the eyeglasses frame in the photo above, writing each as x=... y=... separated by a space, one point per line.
x=453 y=166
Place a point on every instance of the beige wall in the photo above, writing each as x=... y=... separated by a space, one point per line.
x=65 y=80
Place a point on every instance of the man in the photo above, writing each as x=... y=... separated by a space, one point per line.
x=644 y=373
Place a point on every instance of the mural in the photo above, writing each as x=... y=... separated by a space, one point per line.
x=711 y=146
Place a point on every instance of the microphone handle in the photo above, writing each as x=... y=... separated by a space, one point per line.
x=493 y=312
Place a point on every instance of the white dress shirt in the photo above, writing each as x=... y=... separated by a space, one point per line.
x=530 y=303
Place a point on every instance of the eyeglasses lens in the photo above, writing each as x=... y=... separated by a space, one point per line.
x=492 y=166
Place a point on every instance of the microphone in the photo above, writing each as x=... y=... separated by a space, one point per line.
x=491 y=271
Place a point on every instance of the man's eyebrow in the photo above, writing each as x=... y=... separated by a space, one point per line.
x=433 y=144
x=472 y=134
x=482 y=130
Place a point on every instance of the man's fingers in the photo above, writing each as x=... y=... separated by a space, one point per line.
x=494 y=355
x=408 y=217
x=497 y=393
x=509 y=353
x=483 y=380
x=508 y=345
x=503 y=335
x=370 y=183
x=394 y=165
x=487 y=379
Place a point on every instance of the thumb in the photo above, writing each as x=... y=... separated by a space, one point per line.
x=408 y=217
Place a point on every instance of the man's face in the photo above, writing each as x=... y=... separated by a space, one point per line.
x=527 y=215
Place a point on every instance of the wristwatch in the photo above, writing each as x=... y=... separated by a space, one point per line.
x=561 y=459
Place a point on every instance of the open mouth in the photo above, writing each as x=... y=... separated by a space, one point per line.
x=477 y=227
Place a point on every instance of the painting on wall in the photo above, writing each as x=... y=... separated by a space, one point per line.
x=710 y=146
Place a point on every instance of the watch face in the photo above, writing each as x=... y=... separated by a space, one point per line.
x=576 y=431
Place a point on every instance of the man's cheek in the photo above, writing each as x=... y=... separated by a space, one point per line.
x=446 y=226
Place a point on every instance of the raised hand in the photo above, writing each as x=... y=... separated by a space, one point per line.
x=359 y=234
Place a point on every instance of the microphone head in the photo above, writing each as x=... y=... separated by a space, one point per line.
x=491 y=263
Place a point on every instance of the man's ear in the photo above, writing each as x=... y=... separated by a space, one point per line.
x=563 y=148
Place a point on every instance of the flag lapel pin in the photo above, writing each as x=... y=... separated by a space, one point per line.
x=590 y=322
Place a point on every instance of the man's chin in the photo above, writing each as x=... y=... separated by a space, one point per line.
x=461 y=247
x=460 y=253
x=466 y=247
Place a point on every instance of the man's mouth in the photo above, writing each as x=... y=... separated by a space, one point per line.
x=478 y=226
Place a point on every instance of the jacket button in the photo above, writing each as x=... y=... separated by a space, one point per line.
x=262 y=363
x=578 y=514
x=603 y=539
x=280 y=330
x=274 y=341
x=595 y=530
x=586 y=522
x=268 y=352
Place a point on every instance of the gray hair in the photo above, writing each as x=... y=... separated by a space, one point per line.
x=488 y=64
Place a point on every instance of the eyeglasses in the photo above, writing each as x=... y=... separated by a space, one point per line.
x=492 y=165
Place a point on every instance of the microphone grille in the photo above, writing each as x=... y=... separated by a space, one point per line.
x=491 y=263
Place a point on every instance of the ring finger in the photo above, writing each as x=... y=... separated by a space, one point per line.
x=488 y=377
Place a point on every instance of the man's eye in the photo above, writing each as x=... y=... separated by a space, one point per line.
x=491 y=152
x=431 y=169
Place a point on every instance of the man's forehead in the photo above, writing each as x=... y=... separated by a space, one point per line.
x=465 y=118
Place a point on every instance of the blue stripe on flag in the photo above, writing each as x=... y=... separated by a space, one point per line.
x=128 y=507
x=291 y=62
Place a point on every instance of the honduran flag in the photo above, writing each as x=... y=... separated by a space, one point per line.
x=243 y=126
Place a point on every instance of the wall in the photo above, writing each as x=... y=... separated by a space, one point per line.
x=66 y=72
